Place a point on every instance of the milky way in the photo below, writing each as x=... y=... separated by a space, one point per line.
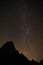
x=22 y=23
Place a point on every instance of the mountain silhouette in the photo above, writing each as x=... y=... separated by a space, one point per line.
x=10 y=56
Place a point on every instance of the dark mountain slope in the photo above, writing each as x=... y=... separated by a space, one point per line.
x=10 y=56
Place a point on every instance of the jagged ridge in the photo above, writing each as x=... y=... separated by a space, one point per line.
x=9 y=55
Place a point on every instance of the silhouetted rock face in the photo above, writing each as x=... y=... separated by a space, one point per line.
x=41 y=62
x=8 y=45
x=9 y=55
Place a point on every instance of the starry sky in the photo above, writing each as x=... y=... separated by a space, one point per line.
x=21 y=21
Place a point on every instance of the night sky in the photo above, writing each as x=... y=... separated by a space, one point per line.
x=21 y=21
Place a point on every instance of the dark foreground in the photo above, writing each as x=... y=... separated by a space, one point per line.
x=10 y=56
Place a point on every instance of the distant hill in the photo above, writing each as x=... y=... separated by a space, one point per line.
x=10 y=56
